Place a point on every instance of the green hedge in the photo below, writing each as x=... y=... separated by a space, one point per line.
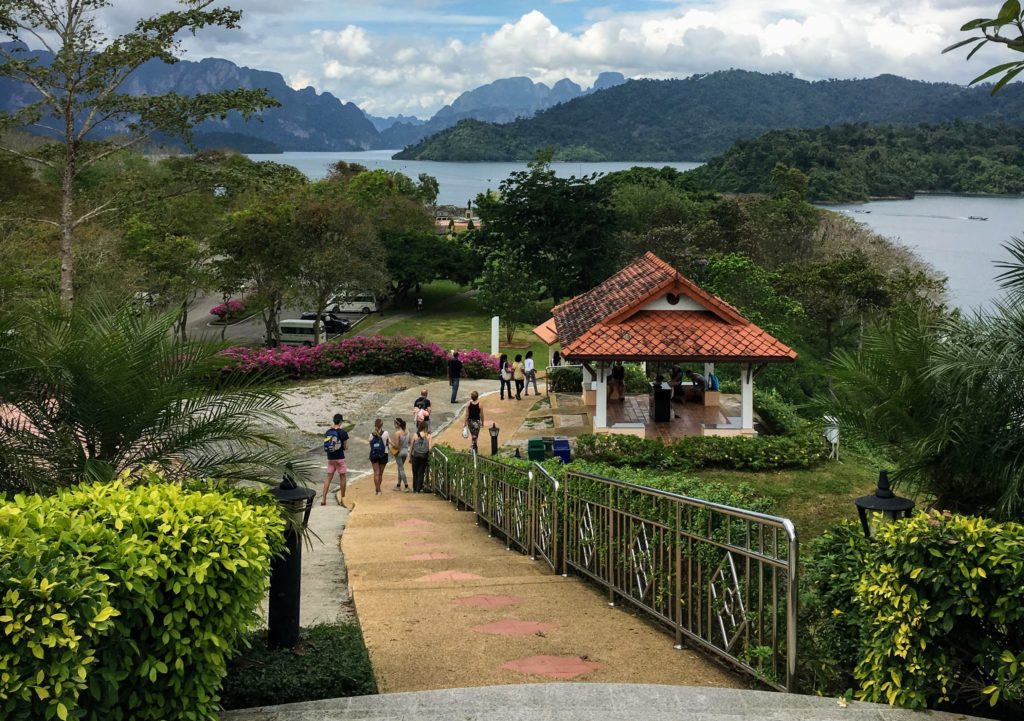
x=125 y=603
x=803 y=450
x=332 y=662
x=565 y=380
x=927 y=614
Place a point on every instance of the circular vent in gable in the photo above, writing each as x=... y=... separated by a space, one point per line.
x=672 y=299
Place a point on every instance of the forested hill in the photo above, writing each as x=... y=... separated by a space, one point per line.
x=701 y=116
x=857 y=162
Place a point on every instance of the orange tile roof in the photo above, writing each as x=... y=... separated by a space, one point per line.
x=607 y=322
x=546 y=332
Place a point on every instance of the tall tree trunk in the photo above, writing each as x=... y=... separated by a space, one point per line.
x=183 y=321
x=67 y=227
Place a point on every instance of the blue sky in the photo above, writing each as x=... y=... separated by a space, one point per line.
x=414 y=56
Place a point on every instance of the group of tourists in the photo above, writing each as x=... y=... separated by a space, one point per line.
x=521 y=371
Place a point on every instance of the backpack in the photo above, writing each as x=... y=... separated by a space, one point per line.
x=506 y=372
x=420 y=447
x=332 y=442
x=422 y=414
x=378 y=451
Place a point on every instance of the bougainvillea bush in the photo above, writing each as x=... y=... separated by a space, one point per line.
x=231 y=309
x=376 y=355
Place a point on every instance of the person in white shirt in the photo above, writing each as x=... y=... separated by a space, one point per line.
x=531 y=373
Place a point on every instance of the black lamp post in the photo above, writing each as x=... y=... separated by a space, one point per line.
x=493 y=430
x=882 y=506
x=286 y=569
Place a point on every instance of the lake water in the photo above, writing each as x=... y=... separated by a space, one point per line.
x=939 y=228
x=459 y=182
x=936 y=226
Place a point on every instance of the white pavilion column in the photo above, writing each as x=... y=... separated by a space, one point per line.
x=601 y=406
x=747 y=397
x=709 y=368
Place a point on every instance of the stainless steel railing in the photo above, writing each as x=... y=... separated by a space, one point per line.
x=722 y=579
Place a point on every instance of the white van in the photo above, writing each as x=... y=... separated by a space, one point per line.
x=358 y=303
x=299 y=332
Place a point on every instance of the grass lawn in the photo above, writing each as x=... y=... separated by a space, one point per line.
x=458 y=323
x=813 y=499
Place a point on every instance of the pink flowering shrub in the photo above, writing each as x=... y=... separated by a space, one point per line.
x=375 y=355
x=231 y=309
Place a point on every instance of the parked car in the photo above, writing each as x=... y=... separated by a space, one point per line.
x=331 y=323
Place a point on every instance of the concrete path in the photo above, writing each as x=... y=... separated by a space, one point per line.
x=441 y=605
x=587 y=702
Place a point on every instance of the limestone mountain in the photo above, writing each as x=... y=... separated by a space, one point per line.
x=701 y=116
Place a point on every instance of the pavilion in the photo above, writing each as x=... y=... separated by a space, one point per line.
x=650 y=312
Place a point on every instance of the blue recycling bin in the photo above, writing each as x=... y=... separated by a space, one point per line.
x=561 y=449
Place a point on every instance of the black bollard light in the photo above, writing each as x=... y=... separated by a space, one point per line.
x=286 y=569
x=493 y=430
x=882 y=506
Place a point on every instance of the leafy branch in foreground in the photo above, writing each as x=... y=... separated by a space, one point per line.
x=1010 y=18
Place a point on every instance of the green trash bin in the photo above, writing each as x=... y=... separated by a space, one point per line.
x=535 y=449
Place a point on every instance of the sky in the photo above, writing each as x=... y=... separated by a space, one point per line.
x=414 y=56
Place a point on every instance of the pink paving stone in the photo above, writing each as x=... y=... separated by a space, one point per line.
x=487 y=601
x=450 y=576
x=413 y=522
x=423 y=545
x=435 y=556
x=512 y=627
x=564 y=667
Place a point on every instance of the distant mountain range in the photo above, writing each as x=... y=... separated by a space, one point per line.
x=311 y=121
x=502 y=101
x=701 y=116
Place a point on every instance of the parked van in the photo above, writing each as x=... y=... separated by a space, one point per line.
x=359 y=303
x=295 y=331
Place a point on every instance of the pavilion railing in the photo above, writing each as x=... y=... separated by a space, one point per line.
x=722 y=579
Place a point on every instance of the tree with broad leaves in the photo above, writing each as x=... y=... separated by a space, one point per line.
x=994 y=30
x=77 y=93
x=508 y=290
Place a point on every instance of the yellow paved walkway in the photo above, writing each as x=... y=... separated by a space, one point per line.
x=442 y=605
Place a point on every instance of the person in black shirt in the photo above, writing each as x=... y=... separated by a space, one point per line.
x=474 y=417
x=617 y=381
x=421 y=407
x=454 y=374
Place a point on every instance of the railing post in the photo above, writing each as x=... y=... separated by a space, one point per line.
x=678 y=538
x=531 y=518
x=792 y=607
x=611 y=541
x=565 y=529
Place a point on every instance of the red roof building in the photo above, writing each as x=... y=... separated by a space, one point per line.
x=649 y=311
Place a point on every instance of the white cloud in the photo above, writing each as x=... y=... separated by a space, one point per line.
x=413 y=56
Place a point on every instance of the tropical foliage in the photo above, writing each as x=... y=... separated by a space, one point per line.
x=126 y=600
x=97 y=389
x=943 y=396
x=858 y=162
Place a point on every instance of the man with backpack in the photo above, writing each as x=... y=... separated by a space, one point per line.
x=421 y=408
x=420 y=454
x=335 y=444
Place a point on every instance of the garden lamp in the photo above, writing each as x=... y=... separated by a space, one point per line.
x=494 y=430
x=286 y=569
x=882 y=506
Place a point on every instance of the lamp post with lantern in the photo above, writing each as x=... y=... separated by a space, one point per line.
x=286 y=569
x=882 y=506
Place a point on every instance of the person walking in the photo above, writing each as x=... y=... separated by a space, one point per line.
x=421 y=408
x=474 y=418
x=400 y=450
x=421 y=445
x=378 y=453
x=505 y=374
x=454 y=374
x=335 y=444
x=530 y=371
x=518 y=375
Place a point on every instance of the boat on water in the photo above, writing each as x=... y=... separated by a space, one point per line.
x=975 y=217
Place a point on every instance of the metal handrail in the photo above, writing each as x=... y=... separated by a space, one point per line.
x=725 y=578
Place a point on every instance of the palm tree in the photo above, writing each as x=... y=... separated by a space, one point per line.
x=944 y=397
x=97 y=389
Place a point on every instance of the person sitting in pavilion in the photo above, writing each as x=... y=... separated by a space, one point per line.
x=699 y=385
x=617 y=381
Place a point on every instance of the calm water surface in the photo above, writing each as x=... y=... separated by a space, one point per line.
x=939 y=228
x=459 y=181
x=936 y=226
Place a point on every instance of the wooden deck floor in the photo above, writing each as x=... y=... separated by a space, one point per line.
x=687 y=421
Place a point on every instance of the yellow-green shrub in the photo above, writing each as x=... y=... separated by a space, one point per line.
x=942 y=598
x=148 y=591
